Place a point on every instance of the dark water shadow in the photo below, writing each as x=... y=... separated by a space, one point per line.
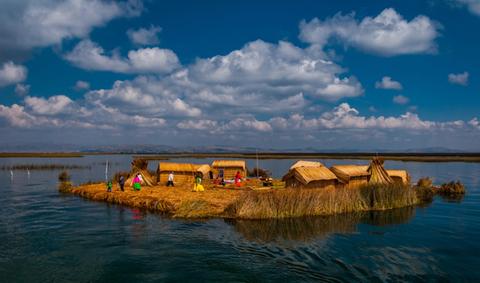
x=311 y=228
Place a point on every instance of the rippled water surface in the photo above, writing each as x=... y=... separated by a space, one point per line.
x=47 y=236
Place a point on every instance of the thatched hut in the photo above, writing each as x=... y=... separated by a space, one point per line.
x=399 y=176
x=352 y=176
x=140 y=166
x=303 y=163
x=310 y=177
x=229 y=168
x=205 y=171
x=184 y=173
x=378 y=174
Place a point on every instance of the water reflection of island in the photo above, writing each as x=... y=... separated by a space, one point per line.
x=310 y=228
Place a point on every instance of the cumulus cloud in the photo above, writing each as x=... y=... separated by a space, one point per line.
x=387 y=34
x=81 y=85
x=400 y=99
x=11 y=73
x=344 y=116
x=474 y=123
x=22 y=89
x=472 y=5
x=144 y=36
x=28 y=24
x=388 y=83
x=459 y=79
x=53 y=105
x=274 y=68
x=90 y=56
x=143 y=96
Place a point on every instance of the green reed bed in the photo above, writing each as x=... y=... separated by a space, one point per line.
x=43 y=167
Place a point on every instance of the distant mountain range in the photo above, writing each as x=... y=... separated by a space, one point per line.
x=148 y=148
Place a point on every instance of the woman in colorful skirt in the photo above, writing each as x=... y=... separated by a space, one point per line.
x=136 y=183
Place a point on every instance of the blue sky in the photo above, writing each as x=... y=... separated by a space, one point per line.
x=283 y=74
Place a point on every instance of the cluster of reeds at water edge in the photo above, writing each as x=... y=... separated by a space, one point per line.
x=64 y=179
x=285 y=203
x=43 y=167
x=451 y=191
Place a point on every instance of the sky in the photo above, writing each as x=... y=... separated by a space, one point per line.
x=331 y=75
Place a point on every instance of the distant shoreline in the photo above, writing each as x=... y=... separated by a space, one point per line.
x=416 y=157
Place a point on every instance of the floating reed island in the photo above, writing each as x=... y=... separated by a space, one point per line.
x=307 y=189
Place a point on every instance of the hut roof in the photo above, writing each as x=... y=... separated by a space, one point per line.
x=310 y=174
x=303 y=163
x=203 y=168
x=351 y=170
x=378 y=174
x=400 y=174
x=176 y=167
x=229 y=163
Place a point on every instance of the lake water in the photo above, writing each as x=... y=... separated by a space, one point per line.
x=46 y=236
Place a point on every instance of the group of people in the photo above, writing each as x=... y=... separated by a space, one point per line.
x=138 y=180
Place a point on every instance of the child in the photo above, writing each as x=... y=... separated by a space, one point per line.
x=109 y=186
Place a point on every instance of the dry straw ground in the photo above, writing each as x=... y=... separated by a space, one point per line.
x=248 y=203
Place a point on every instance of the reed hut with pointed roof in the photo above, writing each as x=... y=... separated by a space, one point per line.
x=304 y=163
x=229 y=168
x=352 y=176
x=310 y=177
x=140 y=166
x=378 y=174
x=399 y=176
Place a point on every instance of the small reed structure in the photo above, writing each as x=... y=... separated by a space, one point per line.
x=183 y=173
x=399 y=176
x=304 y=163
x=352 y=176
x=310 y=177
x=229 y=168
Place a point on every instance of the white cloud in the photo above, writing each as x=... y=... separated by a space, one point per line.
x=473 y=5
x=387 y=34
x=400 y=99
x=244 y=124
x=474 y=123
x=22 y=89
x=90 y=56
x=388 y=83
x=16 y=115
x=28 y=24
x=142 y=96
x=53 y=105
x=10 y=73
x=81 y=85
x=346 y=117
x=144 y=36
x=459 y=79
x=198 y=125
x=274 y=68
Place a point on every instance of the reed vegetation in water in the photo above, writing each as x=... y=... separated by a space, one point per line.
x=310 y=202
x=43 y=167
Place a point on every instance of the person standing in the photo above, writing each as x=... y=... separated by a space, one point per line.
x=109 y=186
x=198 y=187
x=238 y=179
x=170 y=180
x=121 y=183
x=136 y=183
